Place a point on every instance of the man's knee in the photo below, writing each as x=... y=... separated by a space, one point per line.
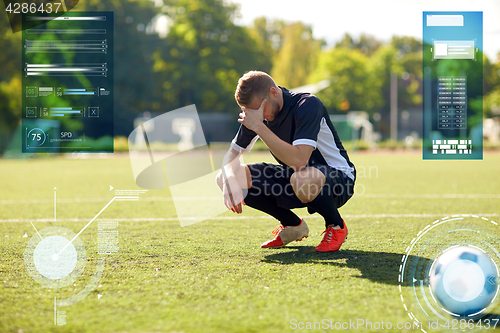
x=248 y=176
x=307 y=183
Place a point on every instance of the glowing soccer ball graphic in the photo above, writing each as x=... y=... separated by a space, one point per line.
x=464 y=280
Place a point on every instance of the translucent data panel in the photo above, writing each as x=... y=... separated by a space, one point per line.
x=453 y=85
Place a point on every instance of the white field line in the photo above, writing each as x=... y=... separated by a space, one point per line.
x=239 y=217
x=368 y=196
x=432 y=196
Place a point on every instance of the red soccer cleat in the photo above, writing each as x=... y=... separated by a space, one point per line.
x=284 y=235
x=332 y=240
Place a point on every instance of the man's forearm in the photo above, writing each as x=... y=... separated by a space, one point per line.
x=285 y=152
x=231 y=163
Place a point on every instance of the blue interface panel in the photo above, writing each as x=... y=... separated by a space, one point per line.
x=453 y=85
x=67 y=64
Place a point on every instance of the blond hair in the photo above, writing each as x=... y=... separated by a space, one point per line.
x=251 y=84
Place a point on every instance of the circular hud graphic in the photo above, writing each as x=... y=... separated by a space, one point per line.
x=52 y=259
x=438 y=243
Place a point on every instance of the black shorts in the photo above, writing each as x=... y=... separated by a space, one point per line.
x=274 y=180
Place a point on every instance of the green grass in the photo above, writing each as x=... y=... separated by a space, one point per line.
x=213 y=276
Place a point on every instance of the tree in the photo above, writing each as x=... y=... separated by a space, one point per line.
x=492 y=79
x=406 y=45
x=203 y=55
x=365 y=44
x=297 y=55
x=10 y=81
x=409 y=65
x=352 y=83
x=491 y=75
x=266 y=35
x=492 y=104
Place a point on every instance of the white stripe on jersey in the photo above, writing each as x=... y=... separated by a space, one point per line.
x=331 y=153
x=239 y=149
x=307 y=142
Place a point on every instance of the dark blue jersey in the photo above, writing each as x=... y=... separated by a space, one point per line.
x=303 y=120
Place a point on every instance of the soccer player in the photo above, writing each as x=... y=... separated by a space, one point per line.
x=314 y=170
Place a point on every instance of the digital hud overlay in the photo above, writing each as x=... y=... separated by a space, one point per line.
x=67 y=98
x=453 y=85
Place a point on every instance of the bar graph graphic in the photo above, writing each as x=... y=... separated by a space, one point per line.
x=84 y=69
x=66 y=31
x=65 y=46
x=81 y=91
x=66 y=111
x=66 y=18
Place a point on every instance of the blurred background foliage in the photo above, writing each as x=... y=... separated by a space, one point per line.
x=172 y=53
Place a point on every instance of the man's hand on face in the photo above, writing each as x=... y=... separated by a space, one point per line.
x=252 y=118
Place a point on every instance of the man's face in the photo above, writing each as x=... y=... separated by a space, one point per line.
x=271 y=108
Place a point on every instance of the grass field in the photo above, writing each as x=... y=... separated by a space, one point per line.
x=213 y=276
